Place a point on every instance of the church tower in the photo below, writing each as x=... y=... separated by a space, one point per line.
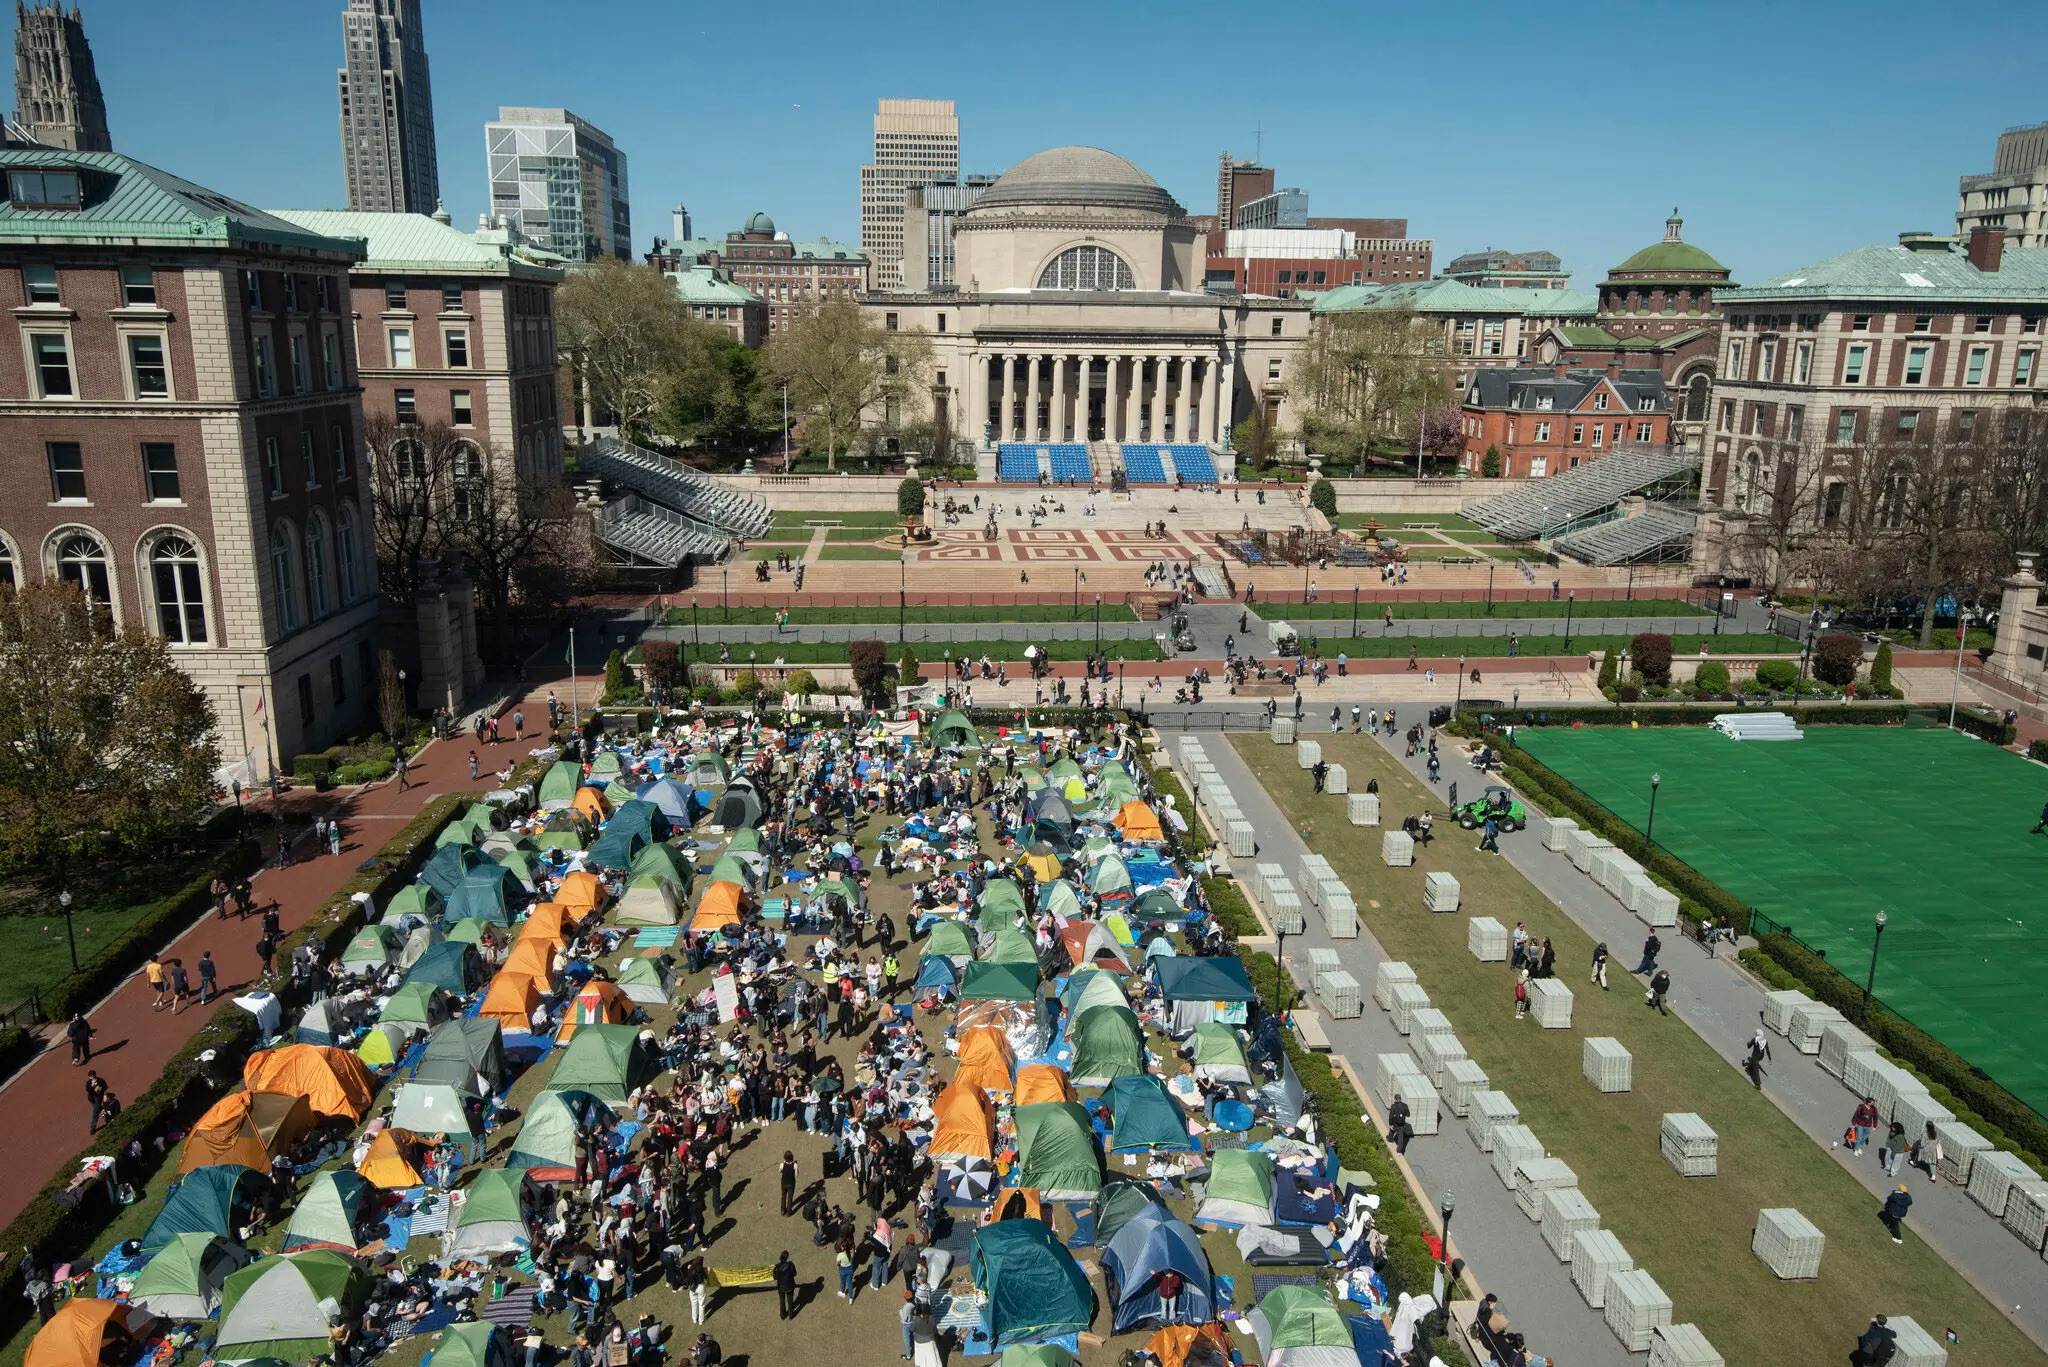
x=56 y=90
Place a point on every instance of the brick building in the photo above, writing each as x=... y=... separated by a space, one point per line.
x=183 y=417
x=790 y=277
x=1544 y=421
x=712 y=297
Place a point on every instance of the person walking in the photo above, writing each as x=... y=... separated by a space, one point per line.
x=154 y=971
x=1893 y=1149
x=1753 y=1055
x=1651 y=945
x=209 y=976
x=1600 y=965
x=1521 y=994
x=266 y=952
x=1660 y=986
x=785 y=1285
x=1894 y=1212
x=181 y=986
x=788 y=1170
x=1861 y=1122
x=400 y=765
x=1320 y=772
x=95 y=1096
x=1927 y=1153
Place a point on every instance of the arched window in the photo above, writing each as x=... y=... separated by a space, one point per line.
x=1696 y=398
x=282 y=581
x=316 y=567
x=345 y=556
x=1086 y=268
x=9 y=577
x=82 y=560
x=180 y=594
x=465 y=473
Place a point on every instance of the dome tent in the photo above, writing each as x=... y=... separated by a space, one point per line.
x=951 y=939
x=740 y=805
x=1012 y=982
x=965 y=1123
x=438 y=1108
x=419 y=1004
x=284 y=1306
x=249 y=1128
x=645 y=981
x=1056 y=1151
x=1034 y=1288
x=374 y=946
x=447 y=868
x=475 y=1344
x=608 y=1061
x=1038 y=1082
x=213 y=1200
x=330 y=1214
x=510 y=1002
x=662 y=861
x=1143 y=1116
x=452 y=966
x=648 y=900
x=546 y=1143
x=986 y=1060
x=1121 y=1200
x=1240 y=1190
x=1092 y=988
x=183 y=1281
x=392 y=1163
x=952 y=728
x=416 y=899
x=1108 y=1043
x=468 y=1053
x=494 y=1214
x=85 y=1333
x=935 y=973
x=1301 y=1317
x=1148 y=1246
x=1216 y=1054
x=559 y=784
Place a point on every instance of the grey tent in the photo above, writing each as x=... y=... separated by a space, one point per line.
x=739 y=805
x=460 y=1052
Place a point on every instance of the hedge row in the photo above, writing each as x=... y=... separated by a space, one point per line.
x=2038 y=751
x=18 y=1046
x=1979 y=1102
x=187 y=1086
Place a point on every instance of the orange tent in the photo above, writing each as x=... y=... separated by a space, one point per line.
x=510 y=1002
x=597 y=1003
x=965 y=1123
x=249 y=1128
x=590 y=803
x=1042 y=1082
x=545 y=921
x=985 y=1059
x=1017 y=1203
x=1138 y=822
x=1177 y=1345
x=83 y=1333
x=533 y=957
x=581 y=891
x=393 y=1160
x=334 y=1081
x=719 y=906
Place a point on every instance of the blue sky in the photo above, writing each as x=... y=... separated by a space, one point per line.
x=1785 y=132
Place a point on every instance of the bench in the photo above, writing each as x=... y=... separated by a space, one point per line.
x=1309 y=1026
x=824 y=522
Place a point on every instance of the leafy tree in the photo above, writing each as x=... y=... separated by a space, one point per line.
x=1442 y=437
x=629 y=337
x=747 y=687
x=844 y=370
x=1651 y=653
x=1254 y=439
x=1610 y=669
x=870 y=662
x=1322 y=496
x=1881 y=669
x=802 y=682
x=1777 y=675
x=1836 y=657
x=103 y=739
x=1489 y=464
x=713 y=396
x=1368 y=379
x=910 y=498
x=659 y=663
x=617 y=682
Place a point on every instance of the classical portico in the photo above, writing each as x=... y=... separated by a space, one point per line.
x=1062 y=395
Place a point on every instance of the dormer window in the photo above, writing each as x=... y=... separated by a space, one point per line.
x=44 y=190
x=1600 y=402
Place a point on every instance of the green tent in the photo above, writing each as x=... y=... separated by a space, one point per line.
x=952 y=729
x=1108 y=1043
x=608 y=1061
x=480 y=813
x=648 y=900
x=452 y=966
x=477 y=1344
x=376 y=944
x=419 y=1004
x=1000 y=900
x=1217 y=1054
x=1037 y=1355
x=1202 y=979
x=618 y=846
x=1056 y=1149
x=950 y=938
x=383 y=1046
x=519 y=863
x=560 y=782
x=1000 y=981
x=661 y=861
x=183 y=1281
x=1063 y=768
x=463 y=1051
x=1298 y=1317
x=643 y=981
x=1090 y=988
x=606 y=762
x=475 y=930
x=618 y=791
x=461 y=831
x=209 y=1200
x=1144 y=1116
x=836 y=886
x=284 y=1306
x=1033 y=1286
x=1110 y=874
x=493 y=1218
x=414 y=899
x=1034 y=777
x=487 y=891
x=566 y=838
x=1240 y=1189
x=745 y=840
x=1121 y=1198
x=546 y=1141
x=707 y=769
x=731 y=869
x=1012 y=946
x=328 y=1213
x=1115 y=789
x=1060 y=899
x=447 y=868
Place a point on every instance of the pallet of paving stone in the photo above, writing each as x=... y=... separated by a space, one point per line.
x=1682 y=1345
x=1636 y=1308
x=1408 y=998
x=1659 y=910
x=1487 y=939
x=1913 y=1346
x=1362 y=809
x=1427 y=1020
x=1689 y=1144
x=1283 y=731
x=2026 y=1213
x=1778 y=1009
x=1266 y=874
x=1397 y=849
x=1556 y=830
x=1390 y=973
x=1308 y=753
x=1534 y=1177
x=1283 y=904
x=1596 y=1256
x=1550 y=1003
x=1859 y=1070
x=1485 y=1112
x=1916 y=1111
x=1340 y=915
x=1566 y=1212
x=1439 y=891
x=1513 y=1145
x=1837 y=1042
x=1323 y=960
x=1339 y=993
x=1192 y=749
x=1388 y=1072
x=1425 y=1111
x=1438 y=1052
x=1614 y=875
x=1808 y=1023
x=1788 y=1243
x=1462 y=1077
x=1600 y=861
x=1581 y=846
x=1890 y=1084
x=1337 y=781
x=1606 y=1064
x=1241 y=839
x=1993 y=1177
x=1960 y=1147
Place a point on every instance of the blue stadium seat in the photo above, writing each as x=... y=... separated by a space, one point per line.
x=1193 y=463
x=1142 y=464
x=1017 y=463
x=1070 y=463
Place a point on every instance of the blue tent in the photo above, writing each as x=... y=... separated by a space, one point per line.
x=451 y=965
x=450 y=864
x=1151 y=1243
x=677 y=801
x=935 y=973
x=209 y=1200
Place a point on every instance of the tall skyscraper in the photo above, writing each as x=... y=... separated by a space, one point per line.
x=917 y=142
x=56 y=92
x=387 y=109
x=561 y=181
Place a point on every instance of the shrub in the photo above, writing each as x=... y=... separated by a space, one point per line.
x=2038 y=751
x=1610 y=669
x=1489 y=464
x=1777 y=675
x=868 y=660
x=1628 y=692
x=658 y=663
x=617 y=682
x=802 y=683
x=747 y=687
x=1836 y=657
x=1712 y=676
x=1881 y=668
x=910 y=498
x=1322 y=496
x=906 y=667
x=1651 y=653
x=18 y=1047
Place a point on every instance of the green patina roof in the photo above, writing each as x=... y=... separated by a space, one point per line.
x=703 y=285
x=1939 y=274
x=1455 y=296
x=127 y=199
x=823 y=249
x=421 y=243
x=1661 y=257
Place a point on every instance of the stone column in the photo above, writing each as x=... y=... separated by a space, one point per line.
x=1134 y=399
x=1162 y=368
x=1112 y=401
x=1004 y=424
x=1184 y=405
x=1059 y=398
x=1031 y=399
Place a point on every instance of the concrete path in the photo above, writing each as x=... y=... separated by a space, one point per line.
x=1441 y=635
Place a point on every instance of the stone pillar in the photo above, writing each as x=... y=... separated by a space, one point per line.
x=976 y=414
x=1134 y=397
x=1184 y=405
x=1009 y=415
x=1162 y=397
x=1031 y=399
x=2019 y=595
x=1059 y=398
x=1112 y=401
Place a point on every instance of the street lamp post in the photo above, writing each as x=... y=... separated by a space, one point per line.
x=1354 y=609
x=1445 y=1208
x=1119 y=681
x=1491 y=566
x=1650 y=826
x=1571 y=597
x=64 y=902
x=725 y=593
x=696 y=629
x=1459 y=701
x=1870 y=982
x=902 y=592
x=1098 y=624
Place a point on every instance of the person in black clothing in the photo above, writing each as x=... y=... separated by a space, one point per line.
x=80 y=1035
x=1651 y=945
x=1399 y=1131
x=1894 y=1213
x=1660 y=984
x=1876 y=1345
x=785 y=1286
x=788 y=1170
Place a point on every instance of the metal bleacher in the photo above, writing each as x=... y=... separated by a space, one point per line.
x=1142 y=464
x=1017 y=463
x=1070 y=463
x=1558 y=504
x=646 y=533
x=1193 y=463
x=674 y=486
x=1657 y=533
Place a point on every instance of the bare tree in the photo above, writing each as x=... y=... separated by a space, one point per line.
x=505 y=524
x=1368 y=378
x=409 y=466
x=1777 y=520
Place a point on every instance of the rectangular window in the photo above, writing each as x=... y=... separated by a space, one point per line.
x=44 y=189
x=1966 y=426
x=1802 y=363
x=1579 y=434
x=401 y=348
x=1599 y=432
x=1273 y=368
x=1286 y=277
x=273 y=467
x=152 y=379
x=1543 y=431
x=337 y=685
x=309 y=459
x=138 y=286
x=1600 y=402
x=252 y=290
x=1852 y=369
x=458 y=408
x=330 y=360
x=1735 y=360
x=1909 y=422
x=1767 y=361
x=1845 y=426
x=2023 y=368
x=1916 y=365
x=52 y=353
x=298 y=345
x=1973 y=373
x=39 y=284
x=457 y=341
x=1831 y=504
x=1923 y=322
x=451 y=298
x=305 y=696
x=402 y=402
x=1983 y=322
x=1795 y=419
x=891 y=322
x=1321 y=278
x=1861 y=323
x=394 y=296
x=340 y=446
x=265 y=376
x=291 y=293
x=160 y=471
x=1642 y=431
x=326 y=288
x=67 y=471
x=1727 y=423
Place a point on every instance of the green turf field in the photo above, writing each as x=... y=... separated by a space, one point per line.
x=1928 y=825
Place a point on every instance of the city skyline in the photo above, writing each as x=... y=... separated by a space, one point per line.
x=1821 y=170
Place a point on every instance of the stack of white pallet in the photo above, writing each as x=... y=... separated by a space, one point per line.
x=1391 y=972
x=1566 y=1212
x=1462 y=1078
x=1838 y=1042
x=1535 y=1176
x=1322 y=961
x=1428 y=1020
x=1339 y=993
x=1315 y=871
x=1265 y=875
x=1960 y=1148
x=1916 y=1111
x=1439 y=891
x=2026 y=1214
x=1606 y=1064
x=1788 y=1243
x=1758 y=726
x=1636 y=1308
x=1337 y=780
x=1596 y=1256
x=1308 y=754
x=1689 y=1145
x=1192 y=749
x=1808 y=1023
x=1636 y=890
x=1284 y=906
x=1283 y=730
x=1437 y=1053
x=1550 y=1002
x=1913 y=1346
x=1407 y=998
x=1362 y=809
x=1396 y=1075
x=1340 y=913
x=1859 y=1069
x=1487 y=939
x=1657 y=907
x=1556 y=830
x=1238 y=835
x=1994 y=1176
x=1778 y=1009
x=1513 y=1145
x=1891 y=1084
x=1682 y=1345
x=1616 y=872
x=1397 y=849
x=1486 y=1111
x=1581 y=846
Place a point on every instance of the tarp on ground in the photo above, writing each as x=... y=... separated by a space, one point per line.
x=644 y=981
x=452 y=966
x=1056 y=1150
x=598 y=1002
x=717 y=908
x=1217 y=1054
x=964 y=1123
x=183 y=1281
x=333 y=1081
x=475 y=1344
x=1240 y=1189
x=448 y=866
x=559 y=784
x=1038 y=1082
x=418 y=1004
x=608 y=1061
x=206 y=1201
x=1299 y=1317
x=416 y=899
x=985 y=1060
x=1150 y=1245
x=467 y=1053
x=493 y=1218
x=84 y=1332
x=330 y=1214
x=950 y=938
x=580 y=892
x=1121 y=1199
x=1108 y=1043
x=1202 y=978
x=952 y=728
x=546 y=1142
x=662 y=861
x=648 y=900
x=282 y=1307
x=1137 y=822
x=1011 y=982
x=1032 y=1285
x=249 y=1128
x=1092 y=988
x=1143 y=1116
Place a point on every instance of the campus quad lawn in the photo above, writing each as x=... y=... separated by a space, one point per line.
x=1451 y=645
x=1449 y=522
x=839 y=551
x=885 y=614
x=1692 y=1235
x=1370 y=604
x=1819 y=833
x=786 y=521
x=34 y=954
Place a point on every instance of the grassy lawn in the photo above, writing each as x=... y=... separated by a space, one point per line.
x=868 y=535
x=793 y=519
x=1481 y=647
x=842 y=552
x=1442 y=552
x=834 y=652
x=1340 y=606
x=1691 y=1234
x=1450 y=522
x=34 y=954
x=818 y=617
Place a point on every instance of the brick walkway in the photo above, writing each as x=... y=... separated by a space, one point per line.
x=132 y=1043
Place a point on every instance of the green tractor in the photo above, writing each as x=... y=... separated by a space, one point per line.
x=1503 y=806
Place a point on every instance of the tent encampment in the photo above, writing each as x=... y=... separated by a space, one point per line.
x=183 y=1281
x=1090 y=989
x=494 y=1215
x=1240 y=1190
x=964 y=1123
x=1056 y=1151
x=1120 y=1200
x=1108 y=1043
x=1217 y=1055
x=475 y=1344
x=1193 y=984
x=739 y=805
x=548 y=1133
x=1033 y=1286
x=952 y=728
x=1150 y=1245
x=952 y=939
x=330 y=1214
x=1038 y=1082
x=393 y=1161
x=283 y=1307
x=1144 y=1117
x=213 y=1200
x=419 y=1005
x=510 y=1002
x=1089 y=944
x=452 y=966
x=597 y=1002
x=249 y=1128
x=1008 y=982
x=333 y=1081
x=985 y=1060
x=1137 y=822
x=649 y=900
x=717 y=908
x=608 y=1061
x=467 y=1053
x=645 y=981
x=86 y=1333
